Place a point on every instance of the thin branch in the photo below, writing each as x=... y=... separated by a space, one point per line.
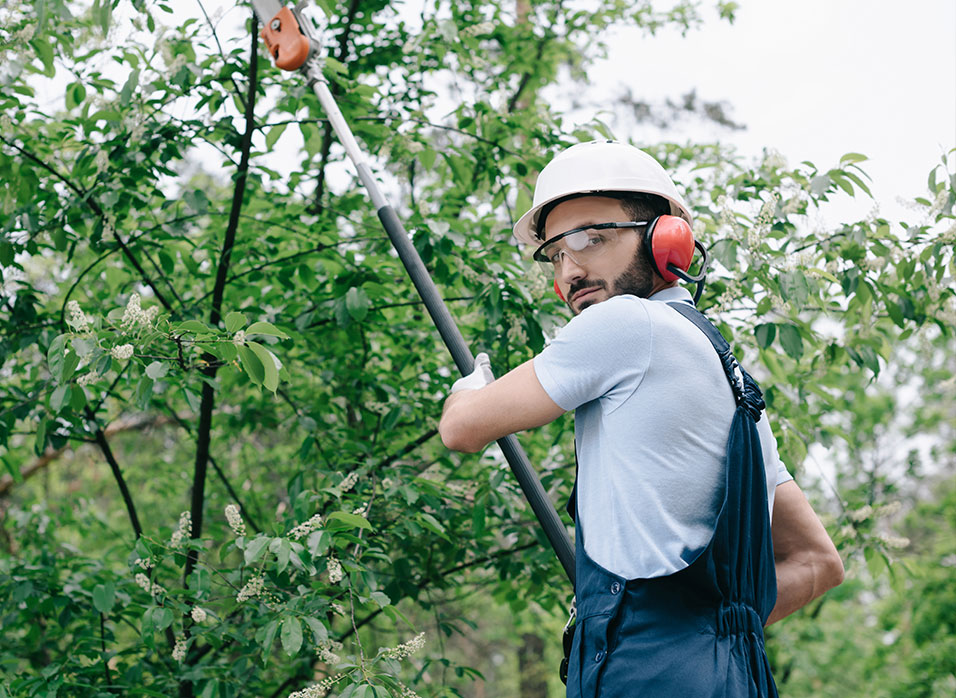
x=117 y=473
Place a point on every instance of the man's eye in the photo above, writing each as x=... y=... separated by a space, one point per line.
x=554 y=257
x=595 y=240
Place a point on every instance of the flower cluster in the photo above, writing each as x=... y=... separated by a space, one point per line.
x=407 y=692
x=239 y=337
x=335 y=570
x=198 y=614
x=319 y=689
x=150 y=587
x=895 y=541
x=326 y=652
x=252 y=589
x=861 y=514
x=88 y=378
x=348 y=482
x=185 y=528
x=134 y=315
x=304 y=529
x=235 y=520
x=406 y=648
x=122 y=351
x=179 y=651
x=79 y=320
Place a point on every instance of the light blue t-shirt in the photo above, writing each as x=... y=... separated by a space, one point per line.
x=652 y=416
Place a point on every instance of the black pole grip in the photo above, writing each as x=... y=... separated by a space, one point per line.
x=520 y=465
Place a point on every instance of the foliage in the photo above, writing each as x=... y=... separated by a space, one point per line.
x=161 y=264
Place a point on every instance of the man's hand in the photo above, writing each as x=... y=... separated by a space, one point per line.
x=478 y=378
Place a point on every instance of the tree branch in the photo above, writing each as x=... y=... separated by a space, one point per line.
x=117 y=473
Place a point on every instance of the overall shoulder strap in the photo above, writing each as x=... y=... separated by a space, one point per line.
x=746 y=391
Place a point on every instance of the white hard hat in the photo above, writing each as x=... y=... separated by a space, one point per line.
x=592 y=168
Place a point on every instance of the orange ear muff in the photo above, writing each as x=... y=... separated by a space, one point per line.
x=558 y=291
x=669 y=242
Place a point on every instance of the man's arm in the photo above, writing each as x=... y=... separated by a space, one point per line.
x=474 y=418
x=806 y=560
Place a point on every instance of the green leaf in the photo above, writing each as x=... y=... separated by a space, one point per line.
x=45 y=53
x=270 y=369
x=255 y=549
x=162 y=618
x=282 y=554
x=274 y=134
x=75 y=94
x=791 y=340
x=852 y=157
x=59 y=397
x=794 y=287
x=291 y=635
x=357 y=303
x=39 y=443
x=266 y=329
x=319 y=632
x=56 y=357
x=235 y=322
x=269 y=637
x=353 y=520
x=132 y=82
x=157 y=370
x=251 y=364
x=103 y=597
x=765 y=334
x=381 y=599
x=193 y=326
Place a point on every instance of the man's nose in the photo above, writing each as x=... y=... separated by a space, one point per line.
x=571 y=270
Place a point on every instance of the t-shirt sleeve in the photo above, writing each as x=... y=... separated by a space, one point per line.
x=602 y=352
x=768 y=446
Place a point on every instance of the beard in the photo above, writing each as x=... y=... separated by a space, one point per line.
x=637 y=280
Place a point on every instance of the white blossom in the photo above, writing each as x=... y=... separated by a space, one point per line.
x=319 y=689
x=179 y=651
x=235 y=520
x=349 y=481
x=251 y=590
x=88 y=378
x=406 y=648
x=78 y=319
x=185 y=528
x=335 y=570
x=861 y=514
x=198 y=614
x=150 y=587
x=895 y=541
x=134 y=315
x=304 y=529
x=239 y=337
x=122 y=351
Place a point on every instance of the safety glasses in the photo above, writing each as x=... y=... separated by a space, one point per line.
x=581 y=245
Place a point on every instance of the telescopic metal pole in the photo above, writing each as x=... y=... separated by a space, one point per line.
x=277 y=20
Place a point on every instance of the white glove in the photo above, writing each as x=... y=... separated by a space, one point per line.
x=478 y=378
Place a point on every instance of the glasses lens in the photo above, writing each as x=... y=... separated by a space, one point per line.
x=581 y=246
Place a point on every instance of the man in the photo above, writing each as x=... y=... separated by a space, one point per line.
x=675 y=573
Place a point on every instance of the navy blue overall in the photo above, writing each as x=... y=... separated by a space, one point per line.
x=697 y=632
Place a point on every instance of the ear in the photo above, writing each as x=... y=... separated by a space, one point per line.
x=558 y=291
x=669 y=241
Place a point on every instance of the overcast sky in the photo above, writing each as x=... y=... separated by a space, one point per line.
x=814 y=79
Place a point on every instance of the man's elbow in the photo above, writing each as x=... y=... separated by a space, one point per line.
x=833 y=571
x=456 y=433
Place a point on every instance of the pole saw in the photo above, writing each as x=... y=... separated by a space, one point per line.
x=293 y=47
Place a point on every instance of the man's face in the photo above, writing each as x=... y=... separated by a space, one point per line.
x=621 y=270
